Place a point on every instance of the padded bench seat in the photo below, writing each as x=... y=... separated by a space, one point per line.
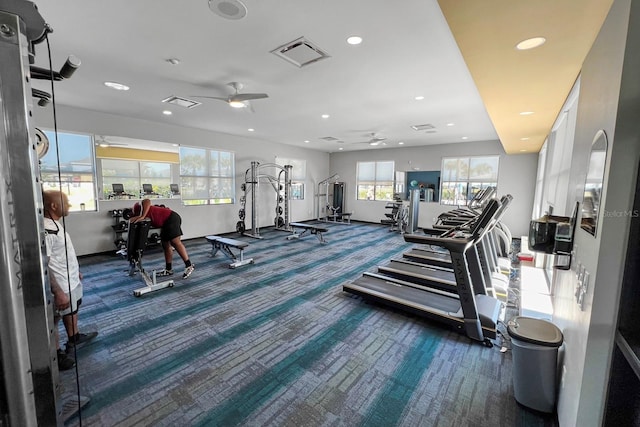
x=310 y=228
x=225 y=245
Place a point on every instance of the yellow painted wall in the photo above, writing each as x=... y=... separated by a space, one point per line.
x=133 y=154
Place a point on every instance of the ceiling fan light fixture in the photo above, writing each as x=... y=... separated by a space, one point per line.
x=237 y=104
x=116 y=86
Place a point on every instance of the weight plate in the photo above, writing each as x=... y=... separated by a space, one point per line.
x=240 y=228
x=42 y=143
x=243 y=187
x=279 y=222
x=280 y=199
x=279 y=210
x=241 y=214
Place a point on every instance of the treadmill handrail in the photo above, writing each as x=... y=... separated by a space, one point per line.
x=460 y=244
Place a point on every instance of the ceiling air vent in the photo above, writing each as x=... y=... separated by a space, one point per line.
x=182 y=102
x=300 y=52
x=423 y=127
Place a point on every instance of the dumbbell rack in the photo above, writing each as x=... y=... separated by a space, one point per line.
x=121 y=226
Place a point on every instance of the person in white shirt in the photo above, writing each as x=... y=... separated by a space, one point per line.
x=64 y=276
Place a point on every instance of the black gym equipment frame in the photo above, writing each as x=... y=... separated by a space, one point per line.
x=136 y=243
x=474 y=313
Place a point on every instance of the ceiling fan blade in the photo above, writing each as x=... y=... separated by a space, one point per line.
x=247 y=96
x=210 y=97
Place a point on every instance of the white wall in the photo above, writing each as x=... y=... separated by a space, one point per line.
x=589 y=333
x=517 y=176
x=91 y=231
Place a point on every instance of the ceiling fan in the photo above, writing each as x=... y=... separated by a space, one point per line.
x=103 y=142
x=237 y=100
x=374 y=139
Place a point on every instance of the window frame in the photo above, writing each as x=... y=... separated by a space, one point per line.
x=373 y=186
x=466 y=185
x=204 y=177
x=51 y=179
x=159 y=189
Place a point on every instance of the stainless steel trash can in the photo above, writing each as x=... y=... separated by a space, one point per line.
x=534 y=347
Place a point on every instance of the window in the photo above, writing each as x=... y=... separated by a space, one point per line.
x=73 y=171
x=298 y=175
x=375 y=180
x=133 y=175
x=463 y=177
x=207 y=176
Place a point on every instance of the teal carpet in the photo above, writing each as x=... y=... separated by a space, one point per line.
x=278 y=343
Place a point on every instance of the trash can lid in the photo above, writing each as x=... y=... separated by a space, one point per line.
x=535 y=331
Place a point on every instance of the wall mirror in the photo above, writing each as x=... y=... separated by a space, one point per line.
x=593 y=183
x=137 y=168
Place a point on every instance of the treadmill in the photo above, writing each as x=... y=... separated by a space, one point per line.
x=485 y=249
x=468 y=311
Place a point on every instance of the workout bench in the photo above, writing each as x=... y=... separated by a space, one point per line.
x=136 y=242
x=312 y=229
x=224 y=245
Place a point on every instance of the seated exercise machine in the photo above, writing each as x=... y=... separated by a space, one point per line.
x=224 y=245
x=337 y=216
x=469 y=310
x=136 y=242
x=312 y=229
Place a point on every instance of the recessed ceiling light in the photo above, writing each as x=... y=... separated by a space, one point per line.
x=465 y=137
x=325 y=116
x=116 y=86
x=167 y=113
x=306 y=141
x=173 y=61
x=400 y=143
x=526 y=113
x=341 y=148
x=531 y=43
x=251 y=129
x=354 y=40
x=450 y=124
x=175 y=145
x=523 y=151
x=524 y=139
x=419 y=98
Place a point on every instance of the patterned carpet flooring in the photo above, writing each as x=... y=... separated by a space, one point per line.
x=278 y=343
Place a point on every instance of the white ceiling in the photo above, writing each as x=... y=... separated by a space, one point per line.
x=408 y=51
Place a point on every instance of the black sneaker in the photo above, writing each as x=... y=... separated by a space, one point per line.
x=164 y=273
x=79 y=340
x=65 y=362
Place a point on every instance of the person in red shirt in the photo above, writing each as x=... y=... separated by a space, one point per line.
x=169 y=223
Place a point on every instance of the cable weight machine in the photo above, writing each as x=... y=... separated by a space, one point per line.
x=282 y=187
